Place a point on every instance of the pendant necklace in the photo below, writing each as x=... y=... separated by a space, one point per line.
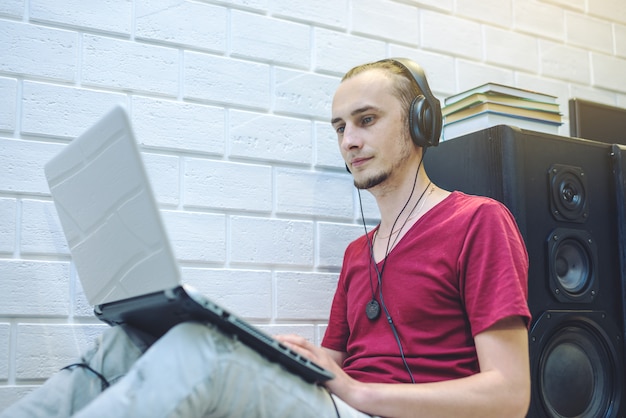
x=372 y=308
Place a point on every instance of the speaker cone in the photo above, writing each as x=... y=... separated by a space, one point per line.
x=568 y=190
x=572 y=265
x=576 y=365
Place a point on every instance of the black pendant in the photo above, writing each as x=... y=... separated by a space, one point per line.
x=372 y=310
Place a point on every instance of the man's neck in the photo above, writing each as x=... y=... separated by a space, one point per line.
x=396 y=200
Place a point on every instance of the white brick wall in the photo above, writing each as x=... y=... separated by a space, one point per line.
x=230 y=100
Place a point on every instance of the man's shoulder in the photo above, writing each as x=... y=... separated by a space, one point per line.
x=473 y=202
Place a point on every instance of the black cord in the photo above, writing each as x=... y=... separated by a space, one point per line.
x=370 y=243
x=104 y=382
x=396 y=336
x=379 y=273
x=333 y=401
x=398 y=217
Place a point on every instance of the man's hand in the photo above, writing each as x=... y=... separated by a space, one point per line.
x=328 y=359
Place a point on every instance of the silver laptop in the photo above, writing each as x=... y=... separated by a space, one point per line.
x=121 y=250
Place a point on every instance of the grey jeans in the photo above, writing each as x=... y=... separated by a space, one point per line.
x=192 y=371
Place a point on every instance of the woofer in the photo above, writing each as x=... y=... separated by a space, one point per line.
x=575 y=364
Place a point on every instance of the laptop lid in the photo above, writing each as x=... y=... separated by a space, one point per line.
x=109 y=215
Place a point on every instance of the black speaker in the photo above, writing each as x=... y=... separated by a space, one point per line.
x=563 y=194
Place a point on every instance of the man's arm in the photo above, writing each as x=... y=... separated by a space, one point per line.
x=337 y=356
x=500 y=389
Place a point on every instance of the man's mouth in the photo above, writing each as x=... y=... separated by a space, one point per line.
x=357 y=162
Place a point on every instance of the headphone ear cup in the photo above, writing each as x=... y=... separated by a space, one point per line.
x=425 y=119
x=420 y=122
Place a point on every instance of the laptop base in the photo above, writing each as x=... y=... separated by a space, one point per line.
x=156 y=313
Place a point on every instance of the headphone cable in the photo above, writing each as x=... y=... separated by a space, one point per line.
x=380 y=272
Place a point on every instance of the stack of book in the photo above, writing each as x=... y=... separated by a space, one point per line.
x=496 y=104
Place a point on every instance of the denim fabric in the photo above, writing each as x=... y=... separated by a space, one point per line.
x=192 y=371
x=112 y=354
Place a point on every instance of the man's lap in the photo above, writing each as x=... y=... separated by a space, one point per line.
x=194 y=370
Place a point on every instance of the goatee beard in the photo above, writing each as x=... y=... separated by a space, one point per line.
x=370 y=182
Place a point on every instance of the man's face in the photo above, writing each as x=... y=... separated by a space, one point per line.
x=371 y=128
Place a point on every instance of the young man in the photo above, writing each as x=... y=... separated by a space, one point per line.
x=447 y=270
x=429 y=317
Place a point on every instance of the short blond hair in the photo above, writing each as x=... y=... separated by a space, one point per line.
x=405 y=88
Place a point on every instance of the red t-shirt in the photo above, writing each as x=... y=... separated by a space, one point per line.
x=459 y=269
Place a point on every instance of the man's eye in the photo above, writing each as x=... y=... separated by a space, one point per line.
x=340 y=129
x=367 y=120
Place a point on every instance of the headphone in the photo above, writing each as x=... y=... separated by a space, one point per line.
x=425 y=120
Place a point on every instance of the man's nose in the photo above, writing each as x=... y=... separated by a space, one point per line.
x=350 y=139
